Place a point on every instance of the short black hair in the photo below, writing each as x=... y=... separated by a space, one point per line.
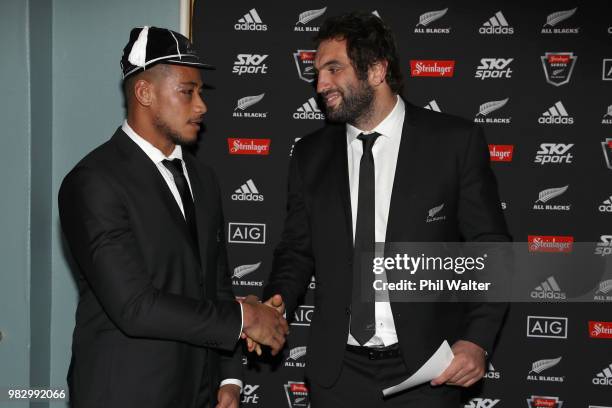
x=149 y=74
x=368 y=40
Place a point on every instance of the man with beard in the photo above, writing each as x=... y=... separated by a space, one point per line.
x=157 y=324
x=370 y=176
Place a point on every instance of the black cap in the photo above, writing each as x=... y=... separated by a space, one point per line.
x=153 y=45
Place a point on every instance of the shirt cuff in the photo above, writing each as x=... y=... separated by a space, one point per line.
x=241 y=323
x=234 y=381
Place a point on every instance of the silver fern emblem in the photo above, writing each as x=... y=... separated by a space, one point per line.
x=297 y=352
x=605 y=286
x=555 y=18
x=542 y=365
x=243 y=270
x=550 y=193
x=431 y=16
x=310 y=15
x=489 y=107
x=435 y=210
x=247 y=101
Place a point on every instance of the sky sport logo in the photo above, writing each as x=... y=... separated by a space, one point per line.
x=604 y=377
x=542 y=365
x=558 y=67
x=432 y=68
x=496 y=25
x=309 y=110
x=501 y=153
x=244 y=103
x=604 y=246
x=546 y=195
x=426 y=19
x=247 y=192
x=249 y=396
x=494 y=68
x=556 y=115
x=306 y=17
x=555 y=153
x=555 y=18
x=481 y=403
x=600 y=330
x=550 y=243
x=548 y=290
x=489 y=107
x=547 y=327
x=250 y=22
x=250 y=64
x=433 y=106
x=260 y=147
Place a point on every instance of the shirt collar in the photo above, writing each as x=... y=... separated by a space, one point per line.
x=153 y=152
x=387 y=128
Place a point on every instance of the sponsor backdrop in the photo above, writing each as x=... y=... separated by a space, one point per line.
x=536 y=76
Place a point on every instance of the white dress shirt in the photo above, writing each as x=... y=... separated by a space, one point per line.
x=385 y=151
x=158 y=157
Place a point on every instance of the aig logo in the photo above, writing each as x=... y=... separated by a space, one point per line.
x=246 y=233
x=302 y=315
x=547 y=327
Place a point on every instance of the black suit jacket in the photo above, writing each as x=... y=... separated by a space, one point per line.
x=156 y=324
x=442 y=159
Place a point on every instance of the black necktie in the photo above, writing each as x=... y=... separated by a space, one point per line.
x=176 y=168
x=363 y=323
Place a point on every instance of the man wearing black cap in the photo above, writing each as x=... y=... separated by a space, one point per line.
x=157 y=324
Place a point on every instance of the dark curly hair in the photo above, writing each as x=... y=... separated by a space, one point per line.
x=368 y=40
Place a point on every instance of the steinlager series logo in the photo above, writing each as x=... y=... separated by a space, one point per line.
x=558 y=67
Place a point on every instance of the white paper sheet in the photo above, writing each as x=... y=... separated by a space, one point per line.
x=432 y=368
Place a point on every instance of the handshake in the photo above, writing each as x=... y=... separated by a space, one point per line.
x=264 y=324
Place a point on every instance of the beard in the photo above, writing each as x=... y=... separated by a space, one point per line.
x=174 y=136
x=355 y=104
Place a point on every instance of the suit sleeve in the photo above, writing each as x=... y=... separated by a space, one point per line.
x=293 y=259
x=97 y=227
x=481 y=220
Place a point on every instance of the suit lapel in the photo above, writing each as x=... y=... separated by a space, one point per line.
x=202 y=205
x=342 y=181
x=140 y=165
x=406 y=172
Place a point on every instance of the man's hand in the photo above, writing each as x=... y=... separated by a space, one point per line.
x=264 y=323
x=467 y=367
x=276 y=302
x=228 y=396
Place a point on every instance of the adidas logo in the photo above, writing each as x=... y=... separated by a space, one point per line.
x=250 y=22
x=556 y=115
x=607 y=118
x=606 y=206
x=542 y=365
x=604 y=377
x=491 y=373
x=433 y=105
x=309 y=110
x=247 y=192
x=549 y=289
x=496 y=25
